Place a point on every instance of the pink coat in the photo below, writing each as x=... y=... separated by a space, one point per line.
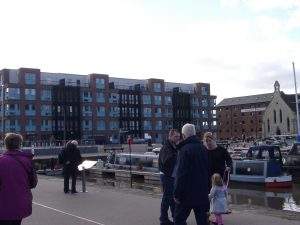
x=15 y=193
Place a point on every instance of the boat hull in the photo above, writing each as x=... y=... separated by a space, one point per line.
x=261 y=171
x=281 y=181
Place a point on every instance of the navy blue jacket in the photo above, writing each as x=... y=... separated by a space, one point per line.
x=191 y=182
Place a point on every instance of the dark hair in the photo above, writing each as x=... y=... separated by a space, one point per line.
x=172 y=131
x=13 y=141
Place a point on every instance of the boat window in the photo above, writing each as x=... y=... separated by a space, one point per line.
x=265 y=155
x=255 y=154
x=276 y=153
x=121 y=160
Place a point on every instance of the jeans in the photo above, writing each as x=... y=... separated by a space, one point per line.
x=167 y=200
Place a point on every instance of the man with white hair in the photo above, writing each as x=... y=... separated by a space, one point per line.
x=191 y=183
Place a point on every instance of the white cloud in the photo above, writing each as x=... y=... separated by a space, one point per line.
x=237 y=57
x=229 y=2
x=259 y=5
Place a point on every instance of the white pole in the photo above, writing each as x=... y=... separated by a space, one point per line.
x=297 y=101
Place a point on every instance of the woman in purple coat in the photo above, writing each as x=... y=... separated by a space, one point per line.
x=16 y=171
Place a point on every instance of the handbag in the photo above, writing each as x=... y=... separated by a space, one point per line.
x=29 y=173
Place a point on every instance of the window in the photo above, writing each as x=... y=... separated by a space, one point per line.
x=46 y=95
x=100 y=83
x=100 y=97
x=147 y=112
x=280 y=116
x=29 y=94
x=204 y=90
x=157 y=100
x=168 y=100
x=30 y=78
x=146 y=99
x=157 y=87
x=274 y=115
x=288 y=124
x=100 y=125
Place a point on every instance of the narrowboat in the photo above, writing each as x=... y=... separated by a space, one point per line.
x=263 y=164
x=146 y=162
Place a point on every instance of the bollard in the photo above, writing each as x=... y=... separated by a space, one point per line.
x=83 y=180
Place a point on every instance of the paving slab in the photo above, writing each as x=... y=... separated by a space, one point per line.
x=104 y=205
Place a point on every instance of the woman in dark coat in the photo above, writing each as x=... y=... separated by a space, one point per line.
x=219 y=159
x=70 y=157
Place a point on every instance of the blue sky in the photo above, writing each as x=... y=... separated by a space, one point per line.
x=240 y=47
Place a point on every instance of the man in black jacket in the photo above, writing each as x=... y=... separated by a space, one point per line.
x=70 y=157
x=191 y=183
x=167 y=161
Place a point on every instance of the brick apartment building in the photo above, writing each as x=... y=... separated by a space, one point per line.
x=44 y=106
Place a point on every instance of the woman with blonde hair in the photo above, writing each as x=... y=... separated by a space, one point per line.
x=219 y=159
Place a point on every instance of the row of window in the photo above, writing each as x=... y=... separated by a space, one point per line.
x=242 y=114
x=30 y=79
x=240 y=122
x=30 y=94
x=237 y=131
x=46 y=125
x=46 y=110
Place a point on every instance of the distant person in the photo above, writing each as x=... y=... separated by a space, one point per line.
x=166 y=162
x=218 y=198
x=17 y=177
x=191 y=182
x=70 y=157
x=219 y=159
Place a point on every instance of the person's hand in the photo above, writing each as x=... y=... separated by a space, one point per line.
x=227 y=169
x=176 y=200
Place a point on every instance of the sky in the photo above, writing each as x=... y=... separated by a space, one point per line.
x=240 y=47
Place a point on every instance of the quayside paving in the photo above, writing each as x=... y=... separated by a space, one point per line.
x=108 y=205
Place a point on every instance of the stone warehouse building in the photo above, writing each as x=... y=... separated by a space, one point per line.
x=44 y=106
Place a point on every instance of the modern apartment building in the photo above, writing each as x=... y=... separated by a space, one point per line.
x=44 y=106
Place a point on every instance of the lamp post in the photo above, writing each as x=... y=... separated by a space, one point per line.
x=297 y=101
x=61 y=109
x=64 y=112
x=130 y=141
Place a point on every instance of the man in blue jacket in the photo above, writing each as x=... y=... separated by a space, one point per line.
x=191 y=182
x=166 y=163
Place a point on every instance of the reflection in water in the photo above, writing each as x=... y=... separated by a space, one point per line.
x=258 y=195
x=239 y=193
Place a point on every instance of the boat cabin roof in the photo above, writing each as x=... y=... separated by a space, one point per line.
x=264 y=152
x=137 y=155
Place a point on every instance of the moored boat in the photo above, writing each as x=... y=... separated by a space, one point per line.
x=263 y=165
x=147 y=162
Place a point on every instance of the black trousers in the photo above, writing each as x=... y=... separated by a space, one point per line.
x=182 y=212
x=10 y=222
x=70 y=171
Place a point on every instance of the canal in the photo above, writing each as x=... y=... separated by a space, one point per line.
x=253 y=195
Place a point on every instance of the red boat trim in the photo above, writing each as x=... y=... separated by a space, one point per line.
x=279 y=184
